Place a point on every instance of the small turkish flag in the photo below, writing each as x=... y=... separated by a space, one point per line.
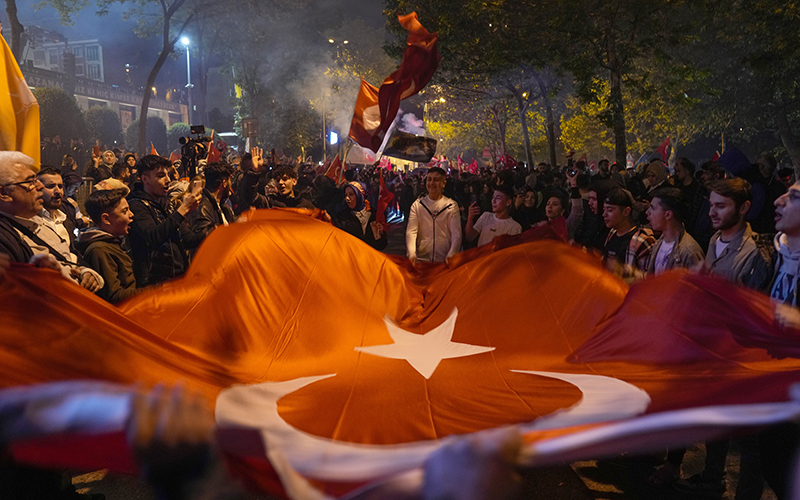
x=334 y=172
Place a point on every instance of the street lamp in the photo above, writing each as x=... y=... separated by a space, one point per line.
x=189 y=86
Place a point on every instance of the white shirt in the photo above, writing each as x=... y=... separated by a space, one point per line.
x=721 y=246
x=433 y=233
x=663 y=254
x=491 y=227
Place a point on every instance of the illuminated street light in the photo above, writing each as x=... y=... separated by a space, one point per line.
x=331 y=40
x=189 y=86
x=346 y=42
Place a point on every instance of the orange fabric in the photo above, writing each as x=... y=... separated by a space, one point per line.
x=285 y=296
x=153 y=150
x=19 y=111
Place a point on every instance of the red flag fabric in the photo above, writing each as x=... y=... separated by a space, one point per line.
x=663 y=150
x=716 y=156
x=420 y=61
x=214 y=154
x=364 y=127
x=174 y=156
x=335 y=172
x=153 y=150
x=460 y=164
x=508 y=161
x=452 y=352
x=385 y=163
x=583 y=158
x=473 y=167
x=385 y=198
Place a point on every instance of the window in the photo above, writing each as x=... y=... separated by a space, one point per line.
x=92 y=53
x=79 y=70
x=78 y=51
x=38 y=58
x=93 y=71
x=53 y=56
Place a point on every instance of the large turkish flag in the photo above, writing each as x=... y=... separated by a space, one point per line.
x=351 y=365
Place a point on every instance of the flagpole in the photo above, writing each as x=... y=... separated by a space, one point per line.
x=389 y=133
x=344 y=161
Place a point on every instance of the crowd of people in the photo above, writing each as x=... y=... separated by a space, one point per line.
x=144 y=220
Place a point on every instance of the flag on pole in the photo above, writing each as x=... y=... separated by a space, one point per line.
x=366 y=121
x=716 y=156
x=153 y=149
x=473 y=167
x=420 y=61
x=19 y=111
x=335 y=169
x=663 y=150
x=385 y=163
x=583 y=158
x=460 y=164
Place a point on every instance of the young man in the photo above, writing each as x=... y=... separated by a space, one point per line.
x=675 y=248
x=733 y=251
x=212 y=211
x=491 y=225
x=433 y=233
x=157 y=252
x=285 y=179
x=627 y=246
x=102 y=245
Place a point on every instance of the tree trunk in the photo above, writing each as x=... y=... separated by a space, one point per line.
x=16 y=29
x=501 y=128
x=550 y=124
x=618 y=113
x=787 y=137
x=522 y=111
x=151 y=78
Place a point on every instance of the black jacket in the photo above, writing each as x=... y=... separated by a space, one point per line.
x=346 y=220
x=99 y=173
x=11 y=243
x=156 y=248
x=199 y=223
x=300 y=200
x=250 y=191
x=104 y=253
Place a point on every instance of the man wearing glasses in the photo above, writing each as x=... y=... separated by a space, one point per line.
x=21 y=202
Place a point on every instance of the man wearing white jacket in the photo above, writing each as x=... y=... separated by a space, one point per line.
x=433 y=233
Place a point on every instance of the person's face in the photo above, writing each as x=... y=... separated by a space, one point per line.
x=118 y=221
x=530 y=199
x=614 y=215
x=435 y=185
x=500 y=202
x=23 y=194
x=787 y=211
x=723 y=213
x=652 y=177
x=109 y=158
x=131 y=161
x=156 y=182
x=350 y=197
x=593 y=201
x=657 y=215
x=764 y=167
x=286 y=185
x=57 y=139
x=707 y=176
x=603 y=166
x=681 y=174
x=553 y=208
x=53 y=192
x=542 y=168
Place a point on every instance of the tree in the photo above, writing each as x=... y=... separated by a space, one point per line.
x=16 y=28
x=59 y=113
x=103 y=124
x=174 y=133
x=156 y=133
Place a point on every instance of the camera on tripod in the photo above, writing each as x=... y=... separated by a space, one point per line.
x=193 y=149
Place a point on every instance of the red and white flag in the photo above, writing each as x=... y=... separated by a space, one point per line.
x=335 y=171
x=373 y=397
x=364 y=128
x=663 y=150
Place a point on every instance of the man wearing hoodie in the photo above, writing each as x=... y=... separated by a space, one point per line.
x=102 y=245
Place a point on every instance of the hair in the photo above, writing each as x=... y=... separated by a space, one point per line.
x=785 y=172
x=437 y=170
x=10 y=158
x=216 y=172
x=125 y=158
x=102 y=202
x=149 y=163
x=715 y=169
x=47 y=170
x=673 y=200
x=770 y=160
x=65 y=160
x=283 y=171
x=687 y=164
x=736 y=188
x=118 y=169
x=507 y=190
x=557 y=193
x=604 y=160
x=619 y=197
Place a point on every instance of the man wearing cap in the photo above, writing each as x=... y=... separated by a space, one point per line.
x=627 y=246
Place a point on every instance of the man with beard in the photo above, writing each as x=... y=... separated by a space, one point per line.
x=212 y=210
x=57 y=212
x=734 y=251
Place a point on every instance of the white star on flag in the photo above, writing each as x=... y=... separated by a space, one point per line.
x=424 y=352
